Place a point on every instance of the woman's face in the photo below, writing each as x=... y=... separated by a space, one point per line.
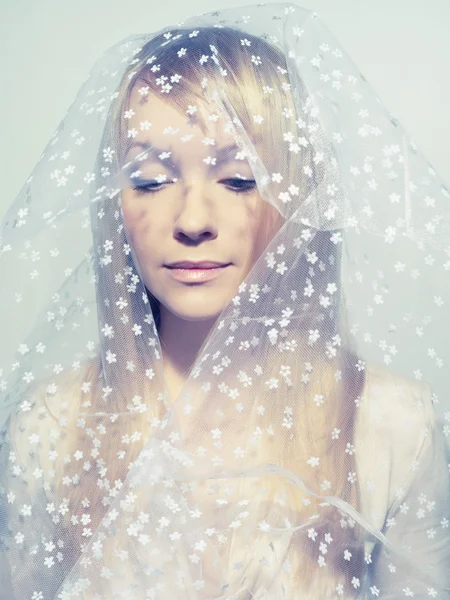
x=189 y=204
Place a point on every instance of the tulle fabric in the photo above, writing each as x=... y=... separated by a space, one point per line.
x=305 y=456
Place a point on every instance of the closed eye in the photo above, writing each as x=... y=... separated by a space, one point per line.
x=150 y=186
x=238 y=185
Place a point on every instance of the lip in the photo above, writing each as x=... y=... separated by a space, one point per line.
x=190 y=264
x=196 y=275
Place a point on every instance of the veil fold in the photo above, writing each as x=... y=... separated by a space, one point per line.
x=306 y=454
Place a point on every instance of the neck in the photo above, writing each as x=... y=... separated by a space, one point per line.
x=181 y=341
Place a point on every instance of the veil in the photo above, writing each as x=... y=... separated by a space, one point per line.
x=305 y=455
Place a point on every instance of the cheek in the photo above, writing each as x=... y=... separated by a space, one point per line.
x=132 y=214
x=239 y=227
x=141 y=227
x=241 y=219
x=268 y=223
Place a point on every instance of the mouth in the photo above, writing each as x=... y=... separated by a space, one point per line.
x=189 y=272
x=199 y=265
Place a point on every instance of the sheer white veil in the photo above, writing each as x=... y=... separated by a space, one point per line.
x=303 y=457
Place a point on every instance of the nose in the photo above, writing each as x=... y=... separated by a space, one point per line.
x=195 y=220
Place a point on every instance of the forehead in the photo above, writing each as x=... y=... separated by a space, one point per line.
x=159 y=121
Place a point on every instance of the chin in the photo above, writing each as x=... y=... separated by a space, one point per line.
x=198 y=318
x=196 y=303
x=201 y=307
x=195 y=313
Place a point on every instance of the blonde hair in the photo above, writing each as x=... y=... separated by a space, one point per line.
x=243 y=86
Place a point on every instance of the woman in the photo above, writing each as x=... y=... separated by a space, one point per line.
x=232 y=430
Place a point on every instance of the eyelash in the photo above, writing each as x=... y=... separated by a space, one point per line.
x=152 y=186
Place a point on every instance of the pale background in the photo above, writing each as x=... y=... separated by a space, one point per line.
x=47 y=48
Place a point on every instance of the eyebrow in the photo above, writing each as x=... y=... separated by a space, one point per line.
x=222 y=155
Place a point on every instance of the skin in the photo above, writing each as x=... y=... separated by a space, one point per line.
x=200 y=216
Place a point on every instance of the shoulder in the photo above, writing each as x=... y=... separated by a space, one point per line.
x=394 y=404
x=42 y=418
x=395 y=423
